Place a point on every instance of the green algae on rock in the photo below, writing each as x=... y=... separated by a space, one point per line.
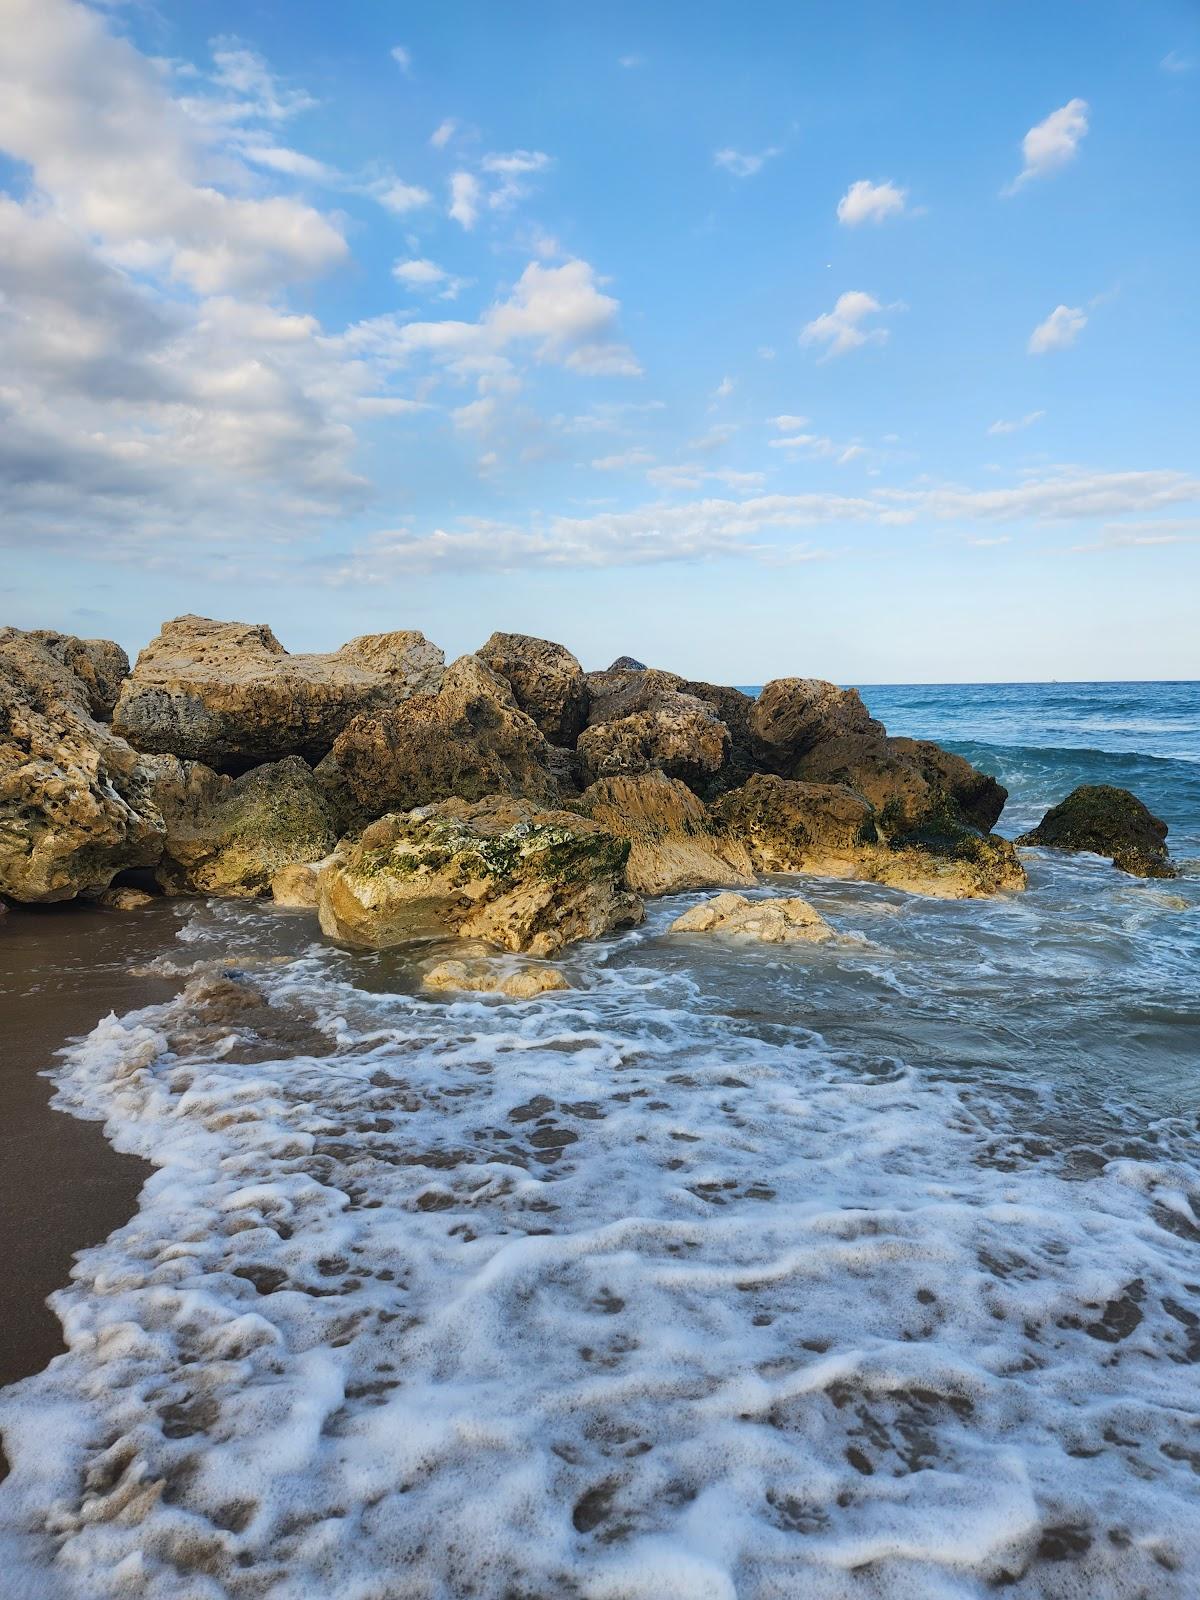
x=1108 y=822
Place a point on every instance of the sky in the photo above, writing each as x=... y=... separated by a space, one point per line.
x=844 y=340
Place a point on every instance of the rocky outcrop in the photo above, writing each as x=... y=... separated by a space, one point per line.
x=1108 y=822
x=500 y=870
x=640 y=721
x=910 y=782
x=230 y=695
x=546 y=680
x=674 y=841
x=829 y=830
x=469 y=740
x=776 y=921
x=232 y=836
x=794 y=715
x=75 y=801
x=484 y=977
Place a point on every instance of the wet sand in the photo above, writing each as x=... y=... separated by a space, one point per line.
x=62 y=1185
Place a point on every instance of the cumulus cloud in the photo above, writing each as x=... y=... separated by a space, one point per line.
x=465 y=196
x=842 y=328
x=743 y=163
x=1052 y=144
x=1059 y=331
x=1018 y=424
x=870 y=202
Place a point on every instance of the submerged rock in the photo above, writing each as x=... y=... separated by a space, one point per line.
x=546 y=680
x=233 y=836
x=778 y=921
x=230 y=695
x=484 y=977
x=502 y=870
x=469 y=740
x=674 y=841
x=1108 y=822
x=75 y=800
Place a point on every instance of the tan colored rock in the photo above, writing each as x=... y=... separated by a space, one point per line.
x=483 y=977
x=793 y=715
x=640 y=721
x=124 y=899
x=674 y=842
x=75 y=802
x=546 y=680
x=230 y=695
x=469 y=740
x=100 y=665
x=910 y=782
x=231 y=836
x=776 y=921
x=500 y=870
x=297 y=886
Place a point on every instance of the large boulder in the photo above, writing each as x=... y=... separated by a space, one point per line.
x=469 y=740
x=674 y=842
x=829 y=830
x=234 y=836
x=100 y=665
x=546 y=680
x=791 y=716
x=641 y=721
x=1108 y=822
x=910 y=782
x=75 y=801
x=500 y=870
x=230 y=695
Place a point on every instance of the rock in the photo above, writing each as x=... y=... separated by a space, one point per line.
x=627 y=664
x=546 y=680
x=231 y=836
x=793 y=715
x=297 y=886
x=732 y=916
x=829 y=830
x=75 y=802
x=124 y=899
x=483 y=977
x=500 y=870
x=469 y=740
x=230 y=695
x=100 y=665
x=674 y=843
x=1108 y=822
x=912 y=783
x=640 y=721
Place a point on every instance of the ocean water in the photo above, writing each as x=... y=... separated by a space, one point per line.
x=868 y=1269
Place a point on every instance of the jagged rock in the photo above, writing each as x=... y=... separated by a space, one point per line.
x=640 y=721
x=100 y=665
x=469 y=740
x=483 y=977
x=231 y=836
x=732 y=916
x=828 y=830
x=546 y=680
x=793 y=715
x=910 y=782
x=500 y=870
x=674 y=842
x=75 y=803
x=230 y=695
x=1108 y=822
x=628 y=664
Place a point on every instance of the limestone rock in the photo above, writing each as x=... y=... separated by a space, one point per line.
x=674 y=842
x=75 y=802
x=230 y=695
x=910 y=782
x=124 y=899
x=546 y=680
x=732 y=916
x=297 y=886
x=100 y=665
x=231 y=836
x=1109 y=822
x=484 y=977
x=640 y=721
x=500 y=870
x=469 y=740
x=793 y=715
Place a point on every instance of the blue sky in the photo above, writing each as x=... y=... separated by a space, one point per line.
x=854 y=341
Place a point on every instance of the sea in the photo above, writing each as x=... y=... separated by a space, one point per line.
x=867 y=1270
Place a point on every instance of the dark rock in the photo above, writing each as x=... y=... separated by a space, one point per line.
x=1108 y=822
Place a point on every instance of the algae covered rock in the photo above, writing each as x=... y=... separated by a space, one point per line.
x=484 y=977
x=232 y=836
x=674 y=841
x=546 y=680
x=774 y=921
x=1108 y=822
x=75 y=801
x=501 y=870
x=469 y=740
x=230 y=695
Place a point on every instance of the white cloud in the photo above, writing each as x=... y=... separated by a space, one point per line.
x=1174 y=62
x=443 y=133
x=1052 y=143
x=724 y=389
x=1018 y=425
x=465 y=197
x=419 y=273
x=402 y=57
x=631 y=61
x=816 y=446
x=842 y=328
x=870 y=202
x=789 y=424
x=1059 y=331
x=743 y=164
x=399 y=197
x=516 y=163
x=623 y=461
